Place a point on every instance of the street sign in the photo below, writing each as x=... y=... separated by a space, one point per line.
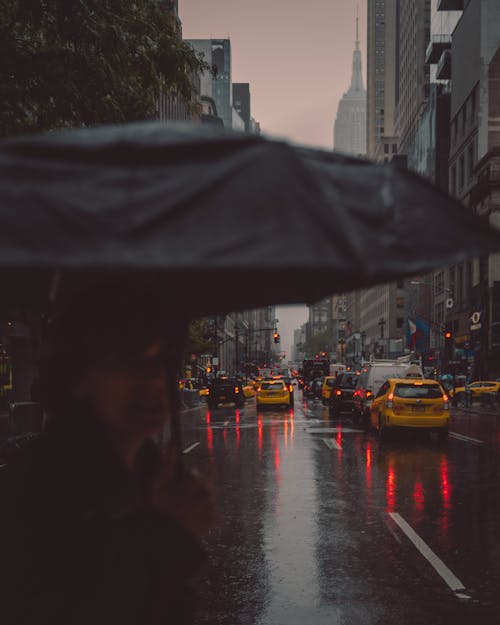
x=215 y=361
x=449 y=303
x=476 y=321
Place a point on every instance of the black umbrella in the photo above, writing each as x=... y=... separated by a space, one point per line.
x=229 y=221
x=233 y=220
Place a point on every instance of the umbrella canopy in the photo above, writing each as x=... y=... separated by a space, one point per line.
x=232 y=221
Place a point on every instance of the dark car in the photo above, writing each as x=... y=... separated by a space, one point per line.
x=313 y=388
x=225 y=391
x=341 y=399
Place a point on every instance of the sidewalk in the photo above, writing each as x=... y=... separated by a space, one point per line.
x=477 y=408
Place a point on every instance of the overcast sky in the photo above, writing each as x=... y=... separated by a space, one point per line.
x=297 y=57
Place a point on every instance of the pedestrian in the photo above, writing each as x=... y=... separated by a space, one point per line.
x=98 y=524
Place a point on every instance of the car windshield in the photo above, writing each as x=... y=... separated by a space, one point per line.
x=418 y=391
x=347 y=381
x=330 y=381
x=272 y=386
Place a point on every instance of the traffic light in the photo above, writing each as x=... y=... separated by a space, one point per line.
x=276 y=337
x=448 y=345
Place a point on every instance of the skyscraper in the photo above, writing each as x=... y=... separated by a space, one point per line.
x=382 y=77
x=349 y=133
x=217 y=84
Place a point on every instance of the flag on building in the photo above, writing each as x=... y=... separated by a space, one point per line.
x=411 y=334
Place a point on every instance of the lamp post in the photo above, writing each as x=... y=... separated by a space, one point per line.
x=381 y=323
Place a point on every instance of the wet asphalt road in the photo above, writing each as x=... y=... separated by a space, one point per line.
x=320 y=522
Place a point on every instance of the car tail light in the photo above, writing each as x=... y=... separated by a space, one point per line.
x=390 y=397
x=290 y=388
x=369 y=394
x=446 y=402
x=338 y=392
x=236 y=390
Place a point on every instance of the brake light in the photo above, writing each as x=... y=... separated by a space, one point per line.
x=338 y=392
x=290 y=388
x=390 y=397
x=368 y=394
x=236 y=390
x=446 y=402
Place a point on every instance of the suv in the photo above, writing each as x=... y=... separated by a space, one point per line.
x=341 y=397
x=225 y=390
x=373 y=375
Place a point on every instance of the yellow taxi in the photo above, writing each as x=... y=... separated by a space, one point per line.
x=273 y=393
x=411 y=403
x=480 y=388
x=204 y=391
x=326 y=389
x=249 y=390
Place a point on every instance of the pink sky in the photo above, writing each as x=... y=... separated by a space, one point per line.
x=296 y=55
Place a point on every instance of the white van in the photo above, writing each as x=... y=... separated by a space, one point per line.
x=374 y=374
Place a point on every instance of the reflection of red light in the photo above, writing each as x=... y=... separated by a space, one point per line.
x=210 y=439
x=277 y=458
x=339 y=438
x=444 y=520
x=238 y=416
x=208 y=417
x=391 y=489
x=238 y=437
x=445 y=483
x=419 y=496
x=285 y=432
x=368 y=470
x=369 y=455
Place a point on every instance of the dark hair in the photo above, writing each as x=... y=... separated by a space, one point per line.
x=116 y=318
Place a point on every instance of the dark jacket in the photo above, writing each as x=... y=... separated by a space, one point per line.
x=80 y=541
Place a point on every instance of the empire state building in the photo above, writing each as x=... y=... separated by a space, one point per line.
x=349 y=134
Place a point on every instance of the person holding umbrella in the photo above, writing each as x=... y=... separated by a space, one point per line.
x=98 y=525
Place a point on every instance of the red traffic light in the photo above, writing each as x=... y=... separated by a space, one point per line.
x=447 y=335
x=276 y=337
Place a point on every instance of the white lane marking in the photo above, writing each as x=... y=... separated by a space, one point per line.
x=331 y=443
x=332 y=430
x=190 y=448
x=465 y=439
x=451 y=580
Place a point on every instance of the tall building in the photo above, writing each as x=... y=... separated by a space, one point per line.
x=349 y=133
x=414 y=73
x=474 y=179
x=382 y=77
x=217 y=83
x=241 y=102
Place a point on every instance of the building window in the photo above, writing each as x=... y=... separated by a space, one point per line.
x=473 y=106
x=470 y=161
x=453 y=180
x=400 y=302
x=394 y=148
x=386 y=148
x=461 y=173
x=439 y=283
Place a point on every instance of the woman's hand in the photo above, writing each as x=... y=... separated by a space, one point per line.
x=186 y=497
